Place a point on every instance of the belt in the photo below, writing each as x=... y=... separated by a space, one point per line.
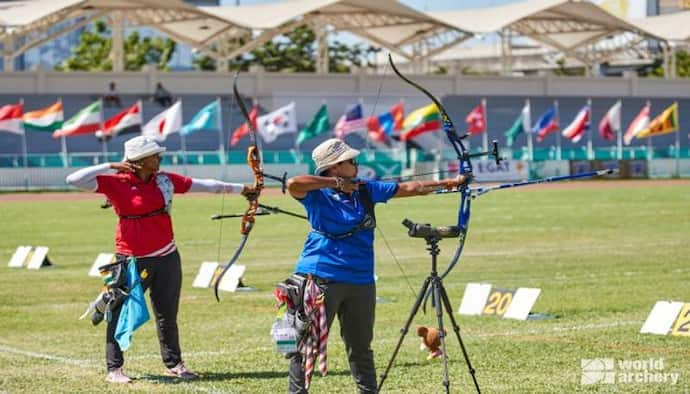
x=316 y=279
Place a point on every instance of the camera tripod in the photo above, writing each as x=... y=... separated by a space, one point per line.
x=432 y=236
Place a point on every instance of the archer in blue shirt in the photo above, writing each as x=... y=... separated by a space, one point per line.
x=339 y=250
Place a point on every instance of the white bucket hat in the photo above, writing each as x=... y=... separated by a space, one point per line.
x=330 y=153
x=139 y=147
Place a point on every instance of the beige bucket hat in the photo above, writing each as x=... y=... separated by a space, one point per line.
x=139 y=147
x=330 y=153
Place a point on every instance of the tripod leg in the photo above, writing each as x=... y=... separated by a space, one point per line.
x=456 y=328
x=436 y=298
x=403 y=331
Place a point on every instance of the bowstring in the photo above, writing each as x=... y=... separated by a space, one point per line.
x=382 y=79
x=226 y=142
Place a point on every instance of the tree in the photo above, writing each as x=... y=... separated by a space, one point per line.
x=682 y=66
x=295 y=52
x=92 y=52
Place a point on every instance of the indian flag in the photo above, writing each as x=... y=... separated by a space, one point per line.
x=421 y=120
x=46 y=119
x=86 y=121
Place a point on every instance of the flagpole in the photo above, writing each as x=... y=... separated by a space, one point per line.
x=590 y=151
x=104 y=145
x=678 y=153
x=649 y=140
x=366 y=129
x=558 y=132
x=104 y=142
x=485 y=137
x=530 y=147
x=183 y=145
x=619 y=134
x=221 y=137
x=25 y=155
x=63 y=145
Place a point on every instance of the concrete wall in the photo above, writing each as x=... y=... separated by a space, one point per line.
x=262 y=84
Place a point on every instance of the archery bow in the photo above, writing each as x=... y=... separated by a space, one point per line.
x=254 y=162
x=465 y=168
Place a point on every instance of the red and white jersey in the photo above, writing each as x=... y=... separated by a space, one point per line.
x=130 y=196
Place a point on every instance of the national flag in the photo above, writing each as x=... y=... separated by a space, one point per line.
x=127 y=121
x=547 y=123
x=381 y=127
x=421 y=120
x=638 y=124
x=208 y=118
x=476 y=120
x=87 y=121
x=665 y=123
x=318 y=125
x=244 y=128
x=577 y=128
x=521 y=125
x=351 y=121
x=610 y=124
x=165 y=123
x=46 y=119
x=281 y=121
x=11 y=118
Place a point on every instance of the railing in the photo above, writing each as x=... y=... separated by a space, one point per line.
x=183 y=158
x=290 y=157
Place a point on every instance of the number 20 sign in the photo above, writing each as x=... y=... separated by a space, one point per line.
x=668 y=317
x=483 y=299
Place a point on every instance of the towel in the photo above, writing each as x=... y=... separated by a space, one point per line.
x=134 y=311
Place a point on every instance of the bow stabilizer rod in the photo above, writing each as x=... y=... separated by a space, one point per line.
x=478 y=191
x=281 y=179
x=264 y=210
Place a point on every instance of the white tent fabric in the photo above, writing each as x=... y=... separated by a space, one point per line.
x=578 y=29
x=383 y=22
x=670 y=27
x=179 y=20
x=562 y=24
x=25 y=12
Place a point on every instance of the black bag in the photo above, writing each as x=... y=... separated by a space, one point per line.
x=116 y=290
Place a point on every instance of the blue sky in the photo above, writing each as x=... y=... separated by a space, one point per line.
x=422 y=5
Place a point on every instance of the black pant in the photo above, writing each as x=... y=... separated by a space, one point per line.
x=355 y=306
x=164 y=278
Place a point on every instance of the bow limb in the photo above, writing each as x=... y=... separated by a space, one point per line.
x=229 y=264
x=254 y=163
x=463 y=156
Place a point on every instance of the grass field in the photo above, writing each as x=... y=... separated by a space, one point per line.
x=601 y=255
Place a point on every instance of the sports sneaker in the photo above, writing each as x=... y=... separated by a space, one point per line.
x=180 y=371
x=117 y=376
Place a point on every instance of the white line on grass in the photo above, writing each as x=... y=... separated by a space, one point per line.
x=60 y=359
x=592 y=326
x=92 y=364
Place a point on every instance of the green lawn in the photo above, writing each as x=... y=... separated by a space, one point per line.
x=602 y=258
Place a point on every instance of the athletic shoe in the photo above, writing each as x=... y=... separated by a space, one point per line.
x=117 y=376
x=180 y=371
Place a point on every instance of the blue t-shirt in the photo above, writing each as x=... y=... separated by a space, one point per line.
x=349 y=259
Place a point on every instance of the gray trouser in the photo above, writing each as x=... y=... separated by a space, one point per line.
x=355 y=306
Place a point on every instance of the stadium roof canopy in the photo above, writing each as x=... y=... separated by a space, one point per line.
x=671 y=27
x=398 y=28
x=579 y=29
x=25 y=24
